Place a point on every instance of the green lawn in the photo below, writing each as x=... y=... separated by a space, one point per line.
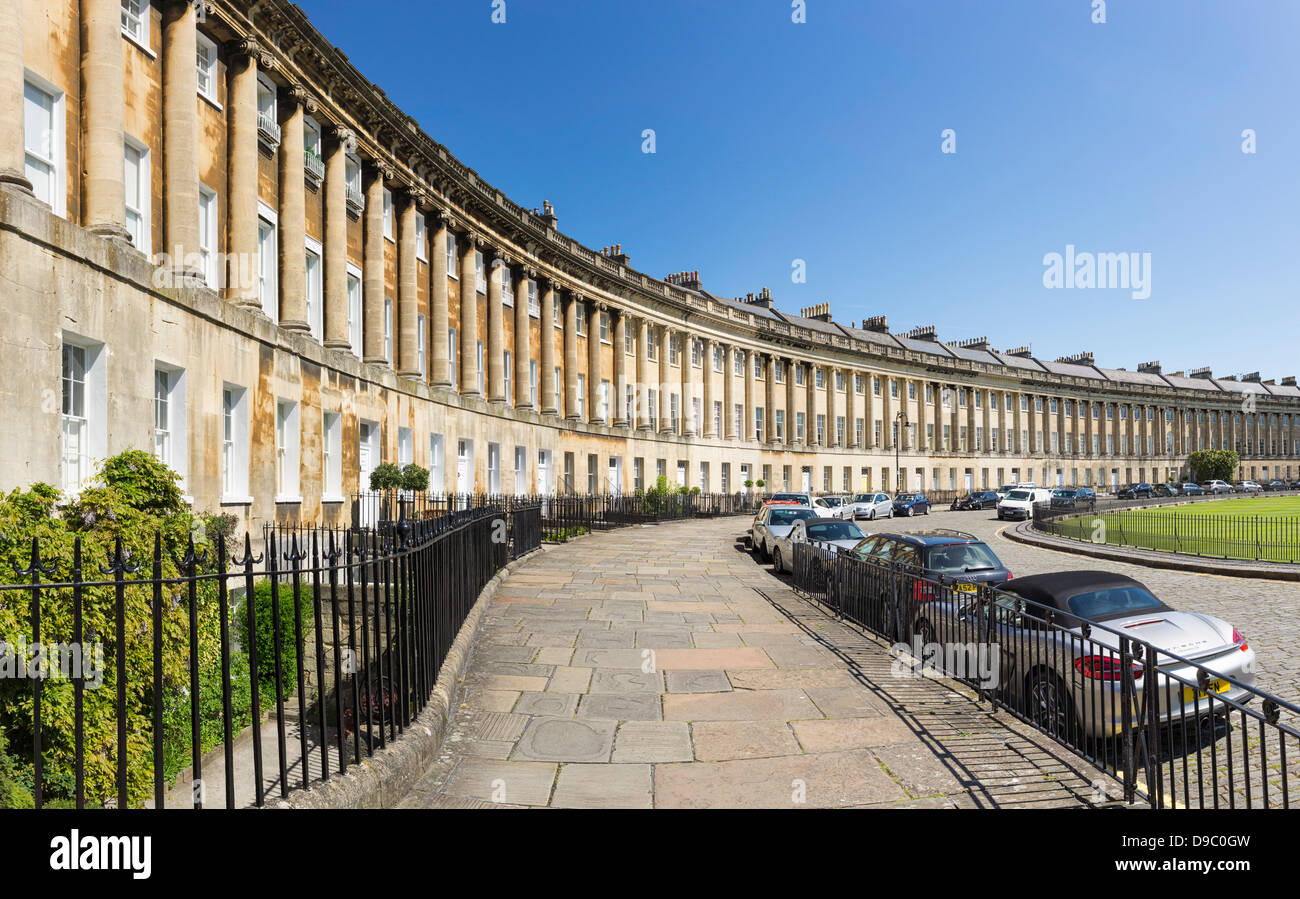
x=1251 y=528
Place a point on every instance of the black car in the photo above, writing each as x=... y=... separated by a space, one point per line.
x=1136 y=491
x=1163 y=490
x=980 y=499
x=1273 y=486
x=1074 y=498
x=950 y=558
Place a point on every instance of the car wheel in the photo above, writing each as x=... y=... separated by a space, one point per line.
x=1050 y=706
x=767 y=553
x=871 y=516
x=911 y=511
x=776 y=559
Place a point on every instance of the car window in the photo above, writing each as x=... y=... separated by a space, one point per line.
x=959 y=558
x=833 y=530
x=864 y=549
x=1018 y=494
x=905 y=555
x=1113 y=603
x=789 y=516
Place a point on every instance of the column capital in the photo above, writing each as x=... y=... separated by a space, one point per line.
x=380 y=169
x=346 y=137
x=248 y=47
x=416 y=194
x=474 y=239
x=300 y=95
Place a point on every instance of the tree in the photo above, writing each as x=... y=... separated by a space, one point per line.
x=1213 y=465
x=415 y=478
x=386 y=477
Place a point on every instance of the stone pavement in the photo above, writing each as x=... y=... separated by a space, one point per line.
x=661 y=666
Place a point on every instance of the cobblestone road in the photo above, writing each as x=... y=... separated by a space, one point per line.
x=662 y=667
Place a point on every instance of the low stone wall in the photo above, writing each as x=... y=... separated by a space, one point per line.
x=382 y=780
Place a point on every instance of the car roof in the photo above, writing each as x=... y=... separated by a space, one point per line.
x=1054 y=588
x=935 y=537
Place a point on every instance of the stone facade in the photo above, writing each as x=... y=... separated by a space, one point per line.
x=294 y=283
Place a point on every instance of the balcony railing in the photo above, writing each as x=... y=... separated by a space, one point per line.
x=268 y=130
x=356 y=199
x=313 y=166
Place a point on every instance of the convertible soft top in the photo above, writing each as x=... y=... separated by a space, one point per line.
x=1054 y=590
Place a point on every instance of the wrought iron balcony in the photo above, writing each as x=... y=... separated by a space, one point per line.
x=268 y=130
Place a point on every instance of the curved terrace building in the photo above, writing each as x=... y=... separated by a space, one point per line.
x=220 y=241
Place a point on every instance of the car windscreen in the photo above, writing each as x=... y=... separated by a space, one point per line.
x=789 y=497
x=834 y=530
x=863 y=498
x=958 y=558
x=1066 y=493
x=789 y=516
x=906 y=497
x=832 y=500
x=1018 y=494
x=1114 y=602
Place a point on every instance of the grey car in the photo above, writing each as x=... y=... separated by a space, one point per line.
x=1056 y=637
x=774 y=523
x=831 y=535
x=867 y=505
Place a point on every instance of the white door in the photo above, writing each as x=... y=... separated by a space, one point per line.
x=805 y=480
x=681 y=474
x=615 y=475
x=744 y=476
x=970 y=481
x=464 y=470
x=366 y=460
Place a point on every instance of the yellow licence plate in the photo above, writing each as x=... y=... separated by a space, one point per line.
x=1191 y=694
x=966 y=588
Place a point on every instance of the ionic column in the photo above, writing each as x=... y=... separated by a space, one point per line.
x=594 y=373
x=523 y=353
x=887 y=417
x=336 y=237
x=688 y=392
x=728 y=392
x=103 y=110
x=469 y=314
x=243 y=57
x=810 y=414
x=440 y=305
x=547 y=351
x=970 y=421
x=293 y=211
x=790 y=430
x=618 y=401
x=923 y=417
x=496 y=263
x=408 y=291
x=571 y=356
x=868 y=412
x=181 y=141
x=748 y=423
x=769 y=389
x=850 y=410
x=13 y=164
x=372 y=275
x=665 y=407
x=955 y=422
x=642 y=375
x=832 y=436
x=706 y=402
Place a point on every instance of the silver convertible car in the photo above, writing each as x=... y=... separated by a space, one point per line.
x=1058 y=637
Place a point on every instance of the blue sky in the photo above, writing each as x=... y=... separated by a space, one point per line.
x=821 y=141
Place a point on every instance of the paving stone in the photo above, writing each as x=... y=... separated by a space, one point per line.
x=621 y=706
x=724 y=740
x=519 y=668
x=799 y=656
x=835 y=734
x=790 y=678
x=566 y=740
x=661 y=639
x=697 y=682
x=569 y=680
x=653 y=741
x=558 y=705
x=511 y=682
x=701 y=659
x=603 y=786
x=783 y=705
x=553 y=655
x=490 y=700
x=919 y=767
x=519 y=783
x=623 y=639
x=608 y=658
x=822 y=780
x=496 y=652
x=620 y=680
x=845 y=702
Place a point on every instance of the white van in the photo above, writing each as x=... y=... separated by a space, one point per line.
x=1019 y=503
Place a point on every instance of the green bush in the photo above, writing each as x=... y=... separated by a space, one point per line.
x=654 y=500
x=415 y=478
x=1214 y=465
x=386 y=477
x=131 y=498
x=264 y=615
x=14 y=792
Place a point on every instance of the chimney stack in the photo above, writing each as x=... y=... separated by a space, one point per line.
x=1082 y=358
x=1200 y=373
x=1022 y=352
x=1289 y=381
x=974 y=343
x=820 y=312
x=1150 y=368
x=876 y=323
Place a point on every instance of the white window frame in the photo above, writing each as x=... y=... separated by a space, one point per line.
x=389 y=234
x=143 y=192
x=421 y=251
x=437 y=463
x=315 y=287
x=287 y=448
x=268 y=264
x=356 y=329
x=234 y=445
x=331 y=457
x=209 y=223
x=56 y=160
x=135 y=23
x=176 y=431
x=388 y=329
x=420 y=331
x=452 y=263
x=206 y=65
x=89 y=420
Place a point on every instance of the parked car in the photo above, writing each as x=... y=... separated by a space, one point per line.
x=1074 y=498
x=829 y=535
x=867 y=505
x=1190 y=489
x=910 y=504
x=1166 y=490
x=833 y=503
x=1248 y=487
x=770 y=502
x=1216 y=487
x=773 y=523
x=1274 y=486
x=980 y=499
x=817 y=503
x=1136 y=491
x=944 y=557
x=1020 y=503
x=1070 y=684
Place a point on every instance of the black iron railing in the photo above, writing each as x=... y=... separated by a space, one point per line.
x=1199 y=532
x=229 y=675
x=1173 y=731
